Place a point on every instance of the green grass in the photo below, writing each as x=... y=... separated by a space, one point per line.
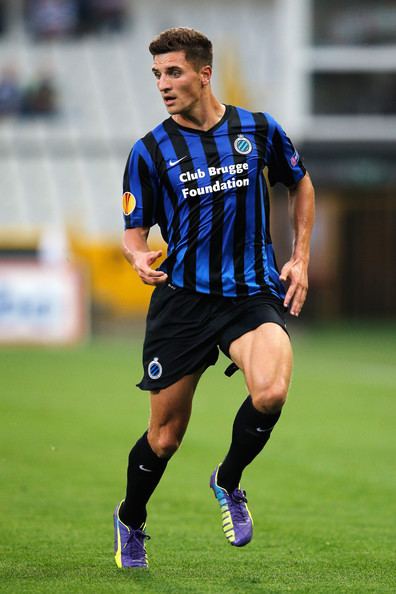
x=322 y=494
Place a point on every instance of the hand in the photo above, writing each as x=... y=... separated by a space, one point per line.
x=142 y=262
x=297 y=272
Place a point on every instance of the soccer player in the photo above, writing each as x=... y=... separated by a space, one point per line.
x=199 y=175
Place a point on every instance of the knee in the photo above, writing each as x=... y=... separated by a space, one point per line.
x=269 y=397
x=164 y=442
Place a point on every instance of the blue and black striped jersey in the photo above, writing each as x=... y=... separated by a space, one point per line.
x=208 y=194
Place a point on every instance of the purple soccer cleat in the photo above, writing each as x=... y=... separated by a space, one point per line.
x=129 y=547
x=237 y=521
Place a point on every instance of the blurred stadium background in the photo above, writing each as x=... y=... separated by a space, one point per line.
x=76 y=91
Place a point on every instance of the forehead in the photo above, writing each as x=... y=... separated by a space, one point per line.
x=171 y=59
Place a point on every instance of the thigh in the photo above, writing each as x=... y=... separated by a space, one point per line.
x=170 y=408
x=265 y=357
x=248 y=314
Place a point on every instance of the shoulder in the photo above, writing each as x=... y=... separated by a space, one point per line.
x=266 y=118
x=263 y=121
x=270 y=117
x=240 y=110
x=154 y=141
x=241 y=113
x=271 y=124
x=247 y=112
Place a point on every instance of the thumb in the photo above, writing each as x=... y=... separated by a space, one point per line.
x=285 y=271
x=154 y=255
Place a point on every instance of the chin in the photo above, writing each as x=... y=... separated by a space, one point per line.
x=172 y=110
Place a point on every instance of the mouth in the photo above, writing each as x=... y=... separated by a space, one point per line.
x=169 y=100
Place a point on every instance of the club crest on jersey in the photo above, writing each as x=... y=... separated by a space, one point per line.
x=128 y=203
x=155 y=369
x=242 y=145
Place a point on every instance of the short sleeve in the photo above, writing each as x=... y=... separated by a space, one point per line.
x=140 y=189
x=284 y=162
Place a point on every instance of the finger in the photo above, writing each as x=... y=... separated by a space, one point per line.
x=298 y=301
x=149 y=272
x=289 y=295
x=154 y=280
x=152 y=256
x=156 y=273
x=161 y=281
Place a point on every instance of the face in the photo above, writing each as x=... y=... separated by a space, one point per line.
x=180 y=84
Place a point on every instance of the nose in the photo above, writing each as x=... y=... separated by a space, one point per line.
x=163 y=83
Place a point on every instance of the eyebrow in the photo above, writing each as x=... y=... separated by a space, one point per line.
x=167 y=69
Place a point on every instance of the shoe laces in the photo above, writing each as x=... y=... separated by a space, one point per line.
x=135 y=542
x=238 y=497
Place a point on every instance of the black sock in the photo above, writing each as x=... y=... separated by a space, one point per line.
x=145 y=470
x=250 y=432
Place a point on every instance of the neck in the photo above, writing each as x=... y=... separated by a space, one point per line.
x=202 y=116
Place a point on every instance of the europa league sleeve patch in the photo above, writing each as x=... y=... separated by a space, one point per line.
x=128 y=203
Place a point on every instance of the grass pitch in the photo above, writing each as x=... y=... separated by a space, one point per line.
x=322 y=494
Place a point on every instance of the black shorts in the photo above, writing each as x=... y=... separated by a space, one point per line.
x=185 y=329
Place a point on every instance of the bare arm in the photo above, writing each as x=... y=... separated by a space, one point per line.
x=138 y=254
x=302 y=213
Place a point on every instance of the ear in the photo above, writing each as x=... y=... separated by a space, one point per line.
x=205 y=75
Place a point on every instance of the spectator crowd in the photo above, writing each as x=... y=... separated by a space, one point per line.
x=58 y=19
x=46 y=20
x=36 y=98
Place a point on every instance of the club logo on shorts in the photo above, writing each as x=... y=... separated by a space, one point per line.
x=155 y=369
x=242 y=145
x=128 y=203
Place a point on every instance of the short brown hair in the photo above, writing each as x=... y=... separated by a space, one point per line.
x=197 y=47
